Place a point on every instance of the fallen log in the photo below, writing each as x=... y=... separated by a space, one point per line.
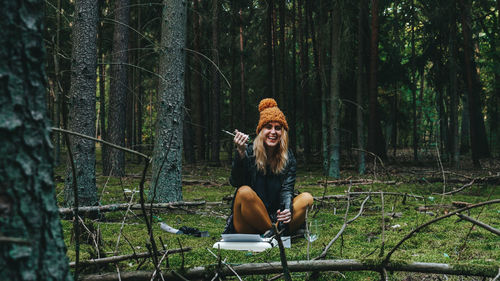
x=366 y=193
x=354 y=182
x=124 y=206
x=205 y=272
x=125 y=257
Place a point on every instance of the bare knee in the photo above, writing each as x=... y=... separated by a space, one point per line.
x=306 y=198
x=245 y=192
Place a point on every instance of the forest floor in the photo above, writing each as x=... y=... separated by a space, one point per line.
x=451 y=240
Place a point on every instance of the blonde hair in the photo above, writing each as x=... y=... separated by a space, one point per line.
x=277 y=161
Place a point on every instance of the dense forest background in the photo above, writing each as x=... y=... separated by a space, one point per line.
x=351 y=76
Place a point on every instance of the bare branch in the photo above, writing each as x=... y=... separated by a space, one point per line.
x=481 y=224
x=101 y=141
x=124 y=257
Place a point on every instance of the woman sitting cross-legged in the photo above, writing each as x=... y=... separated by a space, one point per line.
x=264 y=173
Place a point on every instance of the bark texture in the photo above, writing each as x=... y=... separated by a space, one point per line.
x=82 y=104
x=166 y=182
x=28 y=208
x=115 y=159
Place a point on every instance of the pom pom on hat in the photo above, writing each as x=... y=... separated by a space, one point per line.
x=267 y=103
x=269 y=112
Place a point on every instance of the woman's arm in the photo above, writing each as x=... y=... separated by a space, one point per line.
x=287 y=188
x=239 y=168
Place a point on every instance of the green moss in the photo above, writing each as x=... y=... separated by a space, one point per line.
x=477 y=269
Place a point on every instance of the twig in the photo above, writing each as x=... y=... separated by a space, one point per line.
x=383 y=274
x=308 y=233
x=226 y=264
x=284 y=264
x=94 y=239
x=381 y=254
x=14 y=240
x=460 y=189
x=497 y=277
x=346 y=222
x=101 y=141
x=442 y=170
x=480 y=224
x=123 y=222
x=409 y=235
x=76 y=225
x=158 y=266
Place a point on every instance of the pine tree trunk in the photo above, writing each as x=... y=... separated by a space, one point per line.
x=199 y=134
x=115 y=159
x=215 y=97
x=57 y=90
x=376 y=142
x=304 y=81
x=189 y=153
x=242 y=75
x=479 y=142
x=414 y=85
x=271 y=90
x=82 y=115
x=166 y=183
x=283 y=67
x=361 y=83
x=140 y=89
x=292 y=100
x=29 y=209
x=455 y=137
x=334 y=104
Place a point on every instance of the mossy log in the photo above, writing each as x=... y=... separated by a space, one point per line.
x=305 y=266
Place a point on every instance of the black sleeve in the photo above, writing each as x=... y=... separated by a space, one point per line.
x=288 y=185
x=239 y=170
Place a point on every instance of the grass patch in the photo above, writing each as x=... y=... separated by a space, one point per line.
x=448 y=241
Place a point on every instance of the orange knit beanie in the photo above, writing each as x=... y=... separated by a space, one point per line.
x=270 y=112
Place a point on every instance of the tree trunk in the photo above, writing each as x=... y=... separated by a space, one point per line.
x=115 y=159
x=376 y=143
x=188 y=137
x=292 y=100
x=242 y=75
x=57 y=88
x=29 y=211
x=304 y=81
x=271 y=90
x=455 y=137
x=199 y=134
x=479 y=141
x=334 y=104
x=82 y=115
x=361 y=83
x=414 y=84
x=320 y=85
x=215 y=97
x=166 y=184
x=102 y=85
x=282 y=45
x=140 y=90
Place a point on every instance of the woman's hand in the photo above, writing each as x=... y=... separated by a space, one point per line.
x=284 y=216
x=240 y=139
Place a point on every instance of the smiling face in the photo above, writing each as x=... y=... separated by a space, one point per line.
x=272 y=134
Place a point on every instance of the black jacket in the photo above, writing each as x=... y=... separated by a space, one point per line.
x=275 y=191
